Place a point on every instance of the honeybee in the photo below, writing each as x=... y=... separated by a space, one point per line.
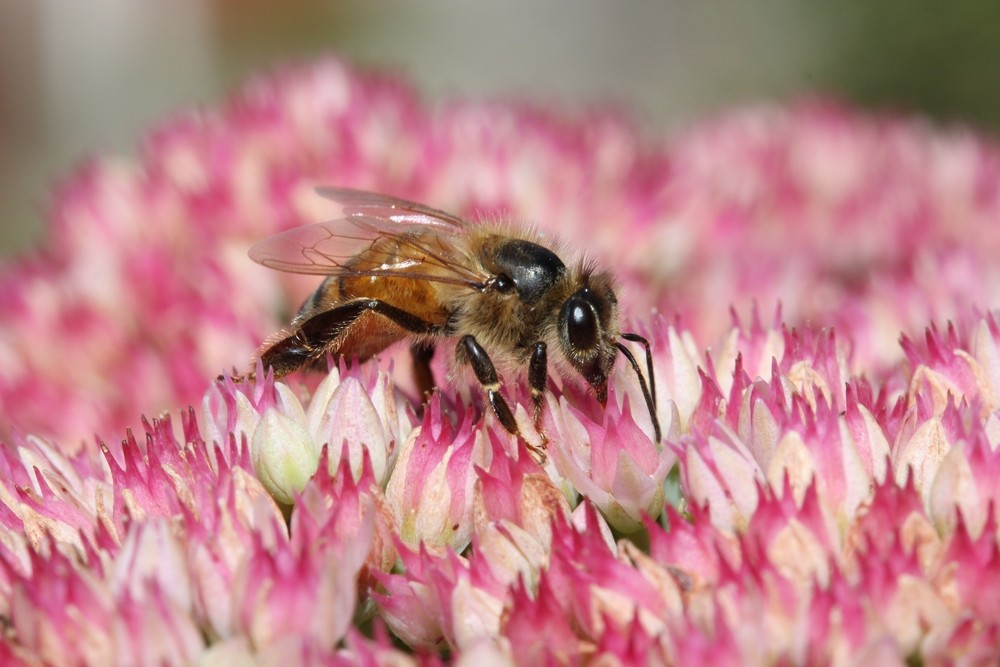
x=399 y=270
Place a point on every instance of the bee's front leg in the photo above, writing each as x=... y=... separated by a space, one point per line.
x=469 y=350
x=538 y=376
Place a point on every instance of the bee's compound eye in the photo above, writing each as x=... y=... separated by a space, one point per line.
x=580 y=320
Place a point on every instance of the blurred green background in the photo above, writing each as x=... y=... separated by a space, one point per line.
x=82 y=78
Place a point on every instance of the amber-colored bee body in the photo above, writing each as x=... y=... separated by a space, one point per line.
x=399 y=270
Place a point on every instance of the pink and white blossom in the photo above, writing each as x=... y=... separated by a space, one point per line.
x=824 y=491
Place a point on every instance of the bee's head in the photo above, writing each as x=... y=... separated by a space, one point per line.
x=588 y=331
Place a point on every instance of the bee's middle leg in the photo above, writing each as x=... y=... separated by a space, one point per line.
x=471 y=351
x=422 y=352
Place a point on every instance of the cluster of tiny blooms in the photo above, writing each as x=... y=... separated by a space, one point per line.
x=826 y=489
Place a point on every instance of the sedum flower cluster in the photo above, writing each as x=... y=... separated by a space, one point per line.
x=825 y=491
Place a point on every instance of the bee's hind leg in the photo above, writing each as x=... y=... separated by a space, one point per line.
x=289 y=354
x=324 y=333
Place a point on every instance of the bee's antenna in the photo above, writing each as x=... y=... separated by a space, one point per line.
x=636 y=338
x=650 y=397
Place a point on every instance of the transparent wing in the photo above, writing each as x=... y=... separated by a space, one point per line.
x=381 y=236
x=357 y=203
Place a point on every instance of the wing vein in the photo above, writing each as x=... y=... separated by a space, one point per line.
x=379 y=236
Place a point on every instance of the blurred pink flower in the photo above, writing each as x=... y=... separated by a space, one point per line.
x=825 y=489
